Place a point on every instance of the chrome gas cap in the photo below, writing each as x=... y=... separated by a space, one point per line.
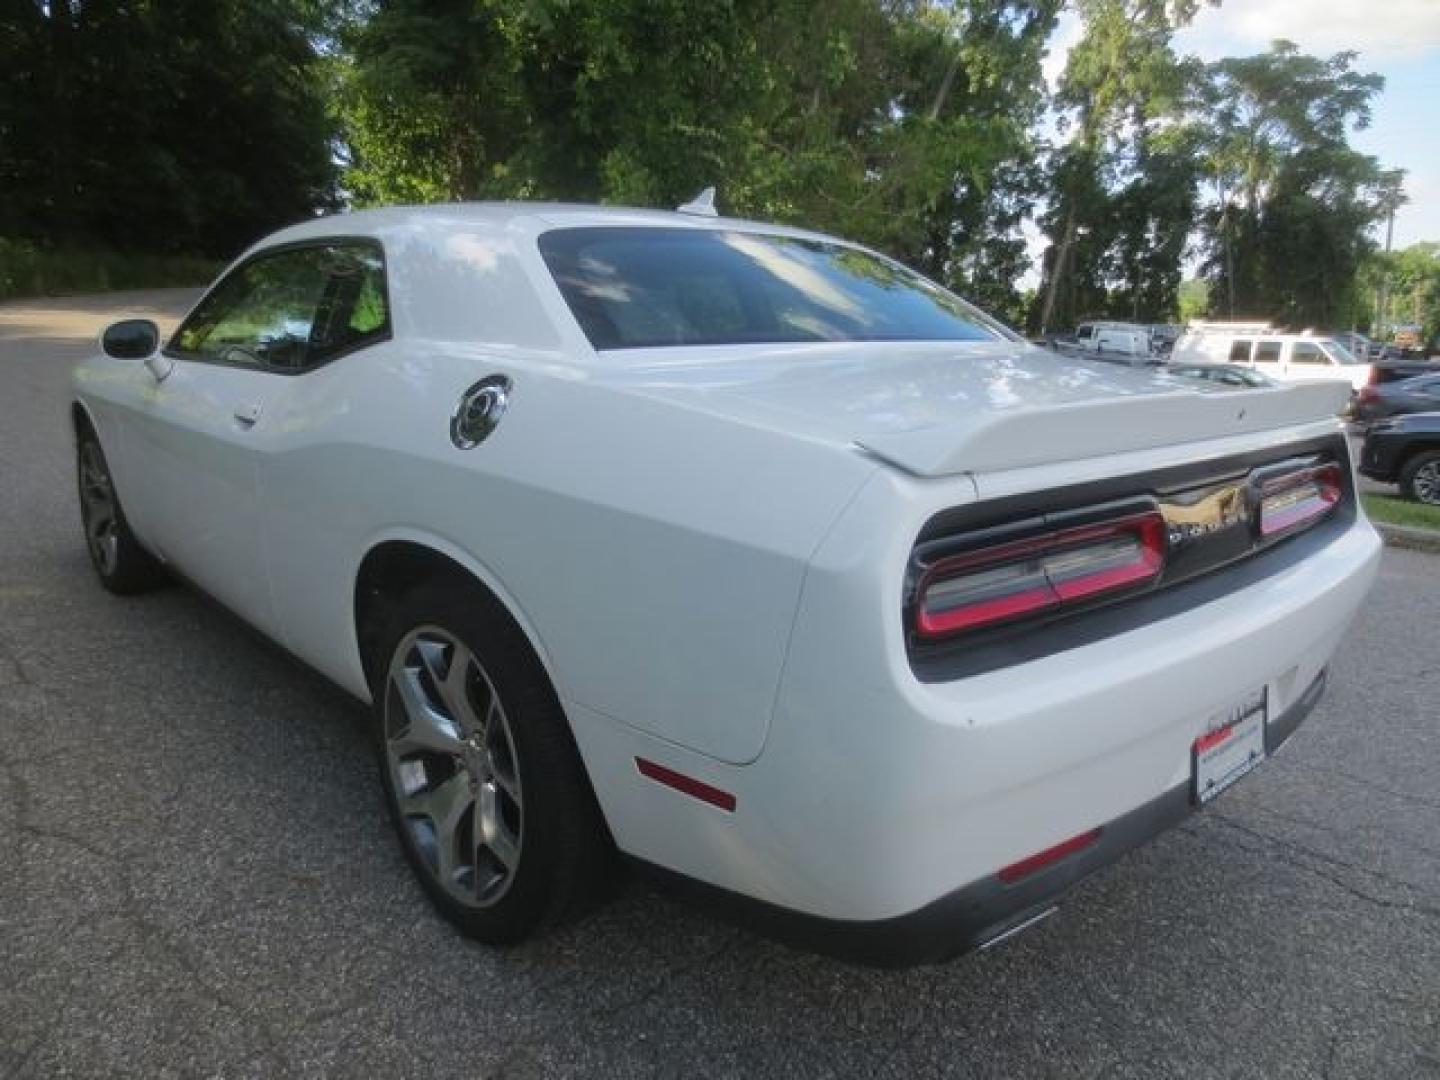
x=479 y=411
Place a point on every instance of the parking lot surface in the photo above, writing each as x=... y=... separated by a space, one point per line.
x=198 y=877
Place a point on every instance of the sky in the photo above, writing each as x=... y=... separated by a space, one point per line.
x=1399 y=39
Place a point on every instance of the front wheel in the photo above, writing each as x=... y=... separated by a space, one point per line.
x=121 y=563
x=484 y=782
x=1420 y=478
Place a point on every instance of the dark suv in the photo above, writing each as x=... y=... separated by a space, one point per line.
x=1406 y=451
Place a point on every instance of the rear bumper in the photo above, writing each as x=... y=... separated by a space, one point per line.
x=977 y=914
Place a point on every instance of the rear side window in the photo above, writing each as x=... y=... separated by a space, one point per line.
x=1240 y=351
x=1267 y=352
x=292 y=309
x=1084 y=332
x=1305 y=352
x=639 y=287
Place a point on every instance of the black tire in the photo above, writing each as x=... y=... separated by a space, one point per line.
x=564 y=856
x=121 y=562
x=1420 y=477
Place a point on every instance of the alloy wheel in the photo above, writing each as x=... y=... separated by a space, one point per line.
x=453 y=767
x=1427 y=483
x=97 y=508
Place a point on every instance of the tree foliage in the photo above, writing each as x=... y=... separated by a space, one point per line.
x=1407 y=283
x=1288 y=228
x=908 y=125
x=922 y=127
x=1122 y=191
x=159 y=125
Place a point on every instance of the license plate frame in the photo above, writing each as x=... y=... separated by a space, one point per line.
x=1231 y=747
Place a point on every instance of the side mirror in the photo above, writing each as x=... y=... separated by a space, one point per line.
x=137 y=339
x=130 y=339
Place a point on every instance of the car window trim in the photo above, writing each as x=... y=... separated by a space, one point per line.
x=171 y=350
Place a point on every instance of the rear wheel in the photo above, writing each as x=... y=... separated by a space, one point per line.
x=121 y=563
x=484 y=783
x=1420 y=478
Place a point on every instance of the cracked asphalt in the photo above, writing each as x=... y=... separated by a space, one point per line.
x=197 y=877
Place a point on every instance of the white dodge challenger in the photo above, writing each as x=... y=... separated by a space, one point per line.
x=738 y=549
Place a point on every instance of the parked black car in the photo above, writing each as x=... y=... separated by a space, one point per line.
x=1395 y=365
x=1405 y=450
x=1420 y=393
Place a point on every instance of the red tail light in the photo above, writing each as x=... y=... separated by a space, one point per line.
x=1045 y=573
x=1368 y=393
x=1298 y=499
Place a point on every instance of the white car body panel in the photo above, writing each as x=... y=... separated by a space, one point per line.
x=579 y=577
x=708 y=548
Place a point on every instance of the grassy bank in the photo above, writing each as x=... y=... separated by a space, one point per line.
x=29 y=270
x=1394 y=510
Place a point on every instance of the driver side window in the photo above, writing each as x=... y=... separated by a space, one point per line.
x=292 y=310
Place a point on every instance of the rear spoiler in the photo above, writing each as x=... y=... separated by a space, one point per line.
x=993 y=441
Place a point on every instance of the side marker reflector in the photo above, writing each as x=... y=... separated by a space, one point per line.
x=696 y=789
x=1025 y=867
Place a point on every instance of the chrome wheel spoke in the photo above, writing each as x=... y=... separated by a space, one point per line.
x=446 y=807
x=493 y=833
x=505 y=779
x=500 y=753
x=426 y=728
x=449 y=665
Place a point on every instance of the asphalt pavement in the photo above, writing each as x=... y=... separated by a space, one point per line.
x=197 y=877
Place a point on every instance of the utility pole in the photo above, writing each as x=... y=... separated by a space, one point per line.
x=1229 y=250
x=1392 y=197
x=1382 y=290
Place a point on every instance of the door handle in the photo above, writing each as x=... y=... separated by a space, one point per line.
x=246 y=415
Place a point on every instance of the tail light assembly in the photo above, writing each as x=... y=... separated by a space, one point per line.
x=1006 y=575
x=1043 y=573
x=1296 y=500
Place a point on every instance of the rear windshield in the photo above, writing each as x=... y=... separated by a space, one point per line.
x=634 y=288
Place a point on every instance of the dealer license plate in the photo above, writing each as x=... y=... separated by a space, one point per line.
x=1233 y=746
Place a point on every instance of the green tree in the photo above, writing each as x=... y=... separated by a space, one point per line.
x=1121 y=79
x=1194 y=299
x=1292 y=202
x=908 y=125
x=160 y=125
x=1412 y=294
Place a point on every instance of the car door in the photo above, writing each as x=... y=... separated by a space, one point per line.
x=202 y=433
x=1421 y=395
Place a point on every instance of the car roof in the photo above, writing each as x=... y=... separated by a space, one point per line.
x=527 y=217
